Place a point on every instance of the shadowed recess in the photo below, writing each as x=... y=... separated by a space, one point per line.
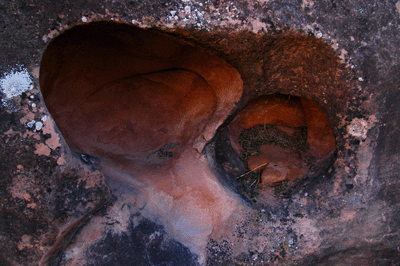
x=115 y=90
x=278 y=138
x=135 y=98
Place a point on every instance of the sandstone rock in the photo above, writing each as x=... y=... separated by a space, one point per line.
x=135 y=98
x=287 y=113
x=282 y=164
x=117 y=90
x=320 y=136
x=256 y=163
x=291 y=131
x=348 y=216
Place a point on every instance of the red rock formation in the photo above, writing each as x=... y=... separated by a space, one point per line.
x=287 y=113
x=117 y=90
x=320 y=136
x=135 y=97
x=282 y=164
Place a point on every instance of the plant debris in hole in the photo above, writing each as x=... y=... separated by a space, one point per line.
x=252 y=138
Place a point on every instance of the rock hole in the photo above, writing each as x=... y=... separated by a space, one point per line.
x=146 y=104
x=115 y=90
x=278 y=138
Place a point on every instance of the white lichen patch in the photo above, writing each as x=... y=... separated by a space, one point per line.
x=38 y=126
x=30 y=124
x=359 y=127
x=14 y=83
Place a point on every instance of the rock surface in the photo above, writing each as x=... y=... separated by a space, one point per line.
x=341 y=55
x=283 y=154
x=117 y=90
x=145 y=103
x=278 y=164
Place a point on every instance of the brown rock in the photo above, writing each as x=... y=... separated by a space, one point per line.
x=291 y=131
x=117 y=90
x=135 y=97
x=282 y=164
x=273 y=174
x=320 y=137
x=282 y=171
x=287 y=113
x=256 y=163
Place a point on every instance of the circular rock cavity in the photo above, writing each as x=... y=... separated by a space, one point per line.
x=282 y=137
x=115 y=90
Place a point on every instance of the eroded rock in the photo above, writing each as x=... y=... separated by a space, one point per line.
x=348 y=215
x=284 y=137
x=145 y=103
x=117 y=90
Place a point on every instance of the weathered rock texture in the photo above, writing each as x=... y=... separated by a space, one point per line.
x=341 y=55
x=284 y=153
x=145 y=104
x=117 y=90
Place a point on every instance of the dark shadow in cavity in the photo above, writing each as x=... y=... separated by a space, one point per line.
x=225 y=163
x=299 y=134
x=144 y=244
